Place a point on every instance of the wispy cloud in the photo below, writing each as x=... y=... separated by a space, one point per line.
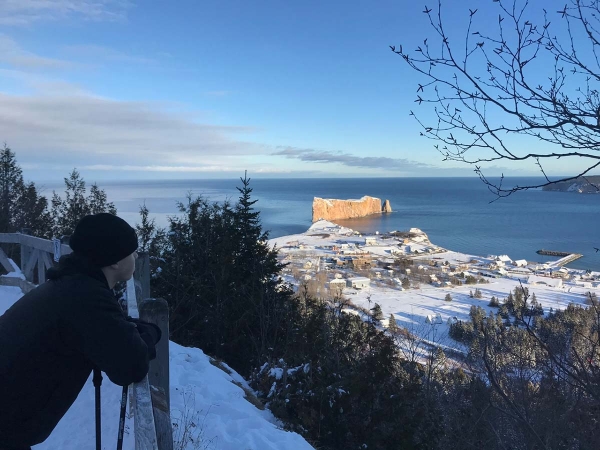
x=27 y=12
x=11 y=53
x=370 y=162
x=81 y=129
x=209 y=168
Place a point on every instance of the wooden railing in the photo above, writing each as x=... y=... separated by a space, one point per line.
x=150 y=402
x=141 y=405
x=36 y=253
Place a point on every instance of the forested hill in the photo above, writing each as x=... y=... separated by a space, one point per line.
x=581 y=185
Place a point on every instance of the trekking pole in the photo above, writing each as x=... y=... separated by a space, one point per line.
x=122 y=418
x=97 y=380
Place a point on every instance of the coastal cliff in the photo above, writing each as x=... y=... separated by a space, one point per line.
x=581 y=185
x=332 y=209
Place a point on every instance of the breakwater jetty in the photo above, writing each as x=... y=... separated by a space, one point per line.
x=566 y=257
x=552 y=253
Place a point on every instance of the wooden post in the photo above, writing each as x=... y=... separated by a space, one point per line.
x=162 y=419
x=41 y=267
x=142 y=274
x=157 y=311
x=25 y=255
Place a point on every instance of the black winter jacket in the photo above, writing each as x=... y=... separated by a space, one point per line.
x=52 y=338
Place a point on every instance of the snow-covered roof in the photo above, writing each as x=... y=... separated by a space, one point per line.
x=535 y=279
x=359 y=280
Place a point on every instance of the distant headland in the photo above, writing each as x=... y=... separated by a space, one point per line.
x=334 y=209
x=580 y=185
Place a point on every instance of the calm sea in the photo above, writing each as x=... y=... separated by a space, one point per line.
x=456 y=213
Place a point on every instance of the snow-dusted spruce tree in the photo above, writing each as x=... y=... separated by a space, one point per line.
x=376 y=312
x=66 y=212
x=532 y=73
x=393 y=325
x=221 y=280
x=20 y=204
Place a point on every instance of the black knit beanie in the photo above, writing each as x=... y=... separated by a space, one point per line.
x=103 y=239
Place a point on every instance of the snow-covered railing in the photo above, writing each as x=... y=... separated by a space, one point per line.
x=150 y=397
x=144 y=427
x=35 y=253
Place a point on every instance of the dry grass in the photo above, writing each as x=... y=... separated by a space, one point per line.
x=250 y=396
x=219 y=364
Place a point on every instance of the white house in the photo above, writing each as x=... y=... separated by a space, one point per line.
x=520 y=263
x=358 y=282
x=370 y=241
x=337 y=285
x=555 y=282
x=504 y=258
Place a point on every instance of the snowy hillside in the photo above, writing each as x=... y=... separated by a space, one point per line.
x=205 y=400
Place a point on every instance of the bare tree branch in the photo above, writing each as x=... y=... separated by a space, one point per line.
x=519 y=80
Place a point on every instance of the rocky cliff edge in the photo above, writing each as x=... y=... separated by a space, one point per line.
x=332 y=209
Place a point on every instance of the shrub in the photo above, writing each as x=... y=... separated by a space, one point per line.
x=494 y=302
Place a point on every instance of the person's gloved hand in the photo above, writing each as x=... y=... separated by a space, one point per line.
x=150 y=333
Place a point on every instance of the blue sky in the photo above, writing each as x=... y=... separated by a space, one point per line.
x=190 y=89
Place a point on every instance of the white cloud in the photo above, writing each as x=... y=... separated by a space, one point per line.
x=369 y=162
x=27 y=12
x=12 y=54
x=86 y=130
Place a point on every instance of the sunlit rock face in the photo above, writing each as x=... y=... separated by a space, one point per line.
x=387 y=208
x=332 y=209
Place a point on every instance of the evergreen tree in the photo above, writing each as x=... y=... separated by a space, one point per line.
x=392 y=324
x=376 y=312
x=20 y=204
x=406 y=283
x=65 y=213
x=11 y=182
x=494 y=302
x=31 y=212
x=448 y=297
x=221 y=279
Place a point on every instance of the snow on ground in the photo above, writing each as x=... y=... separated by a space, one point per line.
x=411 y=308
x=8 y=295
x=203 y=396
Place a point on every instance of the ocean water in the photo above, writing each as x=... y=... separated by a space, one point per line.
x=456 y=213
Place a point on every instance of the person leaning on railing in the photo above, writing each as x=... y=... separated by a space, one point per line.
x=54 y=336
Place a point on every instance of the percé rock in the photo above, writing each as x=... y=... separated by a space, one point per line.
x=387 y=208
x=332 y=209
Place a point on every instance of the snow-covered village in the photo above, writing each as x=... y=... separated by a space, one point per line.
x=422 y=286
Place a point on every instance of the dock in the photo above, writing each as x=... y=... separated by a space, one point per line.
x=566 y=260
